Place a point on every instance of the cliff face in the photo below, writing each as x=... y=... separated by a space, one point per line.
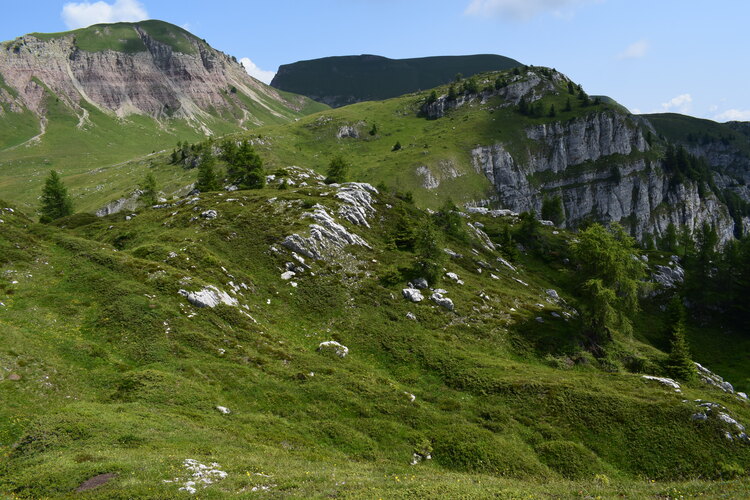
x=158 y=79
x=601 y=168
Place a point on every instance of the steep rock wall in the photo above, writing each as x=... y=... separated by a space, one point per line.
x=598 y=165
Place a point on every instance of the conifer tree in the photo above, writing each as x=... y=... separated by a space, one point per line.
x=678 y=364
x=430 y=255
x=246 y=167
x=338 y=170
x=207 y=180
x=568 y=107
x=610 y=279
x=148 y=190
x=56 y=202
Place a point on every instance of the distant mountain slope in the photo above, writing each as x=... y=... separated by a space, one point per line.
x=111 y=92
x=338 y=81
x=724 y=145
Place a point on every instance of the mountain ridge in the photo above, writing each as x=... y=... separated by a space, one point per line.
x=341 y=80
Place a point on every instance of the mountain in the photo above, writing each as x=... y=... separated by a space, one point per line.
x=274 y=341
x=338 y=81
x=477 y=148
x=90 y=98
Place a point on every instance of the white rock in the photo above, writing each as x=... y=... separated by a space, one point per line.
x=332 y=346
x=663 y=380
x=210 y=214
x=409 y=315
x=209 y=296
x=412 y=294
x=729 y=420
x=224 y=410
x=455 y=278
x=445 y=302
x=288 y=275
x=553 y=295
x=506 y=264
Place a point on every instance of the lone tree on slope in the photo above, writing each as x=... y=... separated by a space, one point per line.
x=56 y=202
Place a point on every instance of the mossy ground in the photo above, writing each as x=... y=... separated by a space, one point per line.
x=120 y=374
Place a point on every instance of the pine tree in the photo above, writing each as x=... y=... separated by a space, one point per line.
x=207 y=180
x=610 y=279
x=56 y=202
x=430 y=255
x=678 y=364
x=568 y=107
x=397 y=146
x=148 y=190
x=552 y=111
x=338 y=170
x=452 y=94
x=432 y=98
x=246 y=167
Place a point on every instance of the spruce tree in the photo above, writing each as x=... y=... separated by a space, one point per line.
x=148 y=190
x=56 y=202
x=430 y=255
x=678 y=364
x=338 y=170
x=246 y=167
x=207 y=180
x=568 y=107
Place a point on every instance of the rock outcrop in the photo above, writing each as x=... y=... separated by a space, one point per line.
x=148 y=73
x=599 y=166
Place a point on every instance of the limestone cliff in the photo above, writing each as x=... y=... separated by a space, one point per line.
x=602 y=168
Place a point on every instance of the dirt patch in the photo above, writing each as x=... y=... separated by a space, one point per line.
x=96 y=481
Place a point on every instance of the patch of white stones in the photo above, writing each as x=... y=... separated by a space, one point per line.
x=200 y=476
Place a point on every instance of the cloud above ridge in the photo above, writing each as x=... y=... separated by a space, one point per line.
x=81 y=14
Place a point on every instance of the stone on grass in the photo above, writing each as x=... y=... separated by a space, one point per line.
x=412 y=294
x=334 y=347
x=444 y=302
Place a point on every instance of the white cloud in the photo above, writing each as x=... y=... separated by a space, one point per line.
x=79 y=15
x=679 y=104
x=635 y=50
x=522 y=10
x=733 y=115
x=254 y=71
x=636 y=111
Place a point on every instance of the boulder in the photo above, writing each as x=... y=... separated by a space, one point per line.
x=412 y=294
x=209 y=296
x=334 y=347
x=210 y=214
x=444 y=302
x=420 y=283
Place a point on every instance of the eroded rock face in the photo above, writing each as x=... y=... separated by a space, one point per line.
x=328 y=237
x=562 y=162
x=156 y=81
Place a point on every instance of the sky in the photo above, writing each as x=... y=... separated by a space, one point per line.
x=683 y=56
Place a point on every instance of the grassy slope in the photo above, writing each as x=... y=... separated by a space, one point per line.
x=120 y=374
x=96 y=160
x=440 y=145
x=677 y=128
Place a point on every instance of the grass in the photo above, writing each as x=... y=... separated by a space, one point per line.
x=123 y=37
x=119 y=373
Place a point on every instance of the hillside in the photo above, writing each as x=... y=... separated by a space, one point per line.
x=342 y=80
x=725 y=145
x=138 y=348
x=91 y=98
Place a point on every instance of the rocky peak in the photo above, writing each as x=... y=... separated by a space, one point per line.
x=149 y=68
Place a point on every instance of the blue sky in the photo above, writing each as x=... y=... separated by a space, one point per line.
x=686 y=56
